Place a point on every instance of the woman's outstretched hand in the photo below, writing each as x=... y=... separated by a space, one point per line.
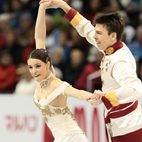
x=94 y=102
x=45 y=3
x=96 y=99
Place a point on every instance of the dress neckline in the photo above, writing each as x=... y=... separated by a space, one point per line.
x=45 y=94
x=48 y=104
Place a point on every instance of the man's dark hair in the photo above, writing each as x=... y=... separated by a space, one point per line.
x=113 y=22
x=40 y=54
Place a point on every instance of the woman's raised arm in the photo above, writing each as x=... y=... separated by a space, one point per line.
x=40 y=28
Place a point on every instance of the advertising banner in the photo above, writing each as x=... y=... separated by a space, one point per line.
x=22 y=121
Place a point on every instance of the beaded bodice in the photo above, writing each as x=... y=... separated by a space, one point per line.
x=60 y=120
x=49 y=111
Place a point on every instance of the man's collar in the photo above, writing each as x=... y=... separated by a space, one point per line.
x=113 y=48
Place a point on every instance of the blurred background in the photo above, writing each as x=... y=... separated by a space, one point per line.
x=74 y=59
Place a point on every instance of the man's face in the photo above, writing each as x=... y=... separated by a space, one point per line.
x=103 y=40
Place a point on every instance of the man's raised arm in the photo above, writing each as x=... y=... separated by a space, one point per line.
x=81 y=24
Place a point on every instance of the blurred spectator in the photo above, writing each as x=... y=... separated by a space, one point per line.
x=93 y=65
x=77 y=42
x=115 y=5
x=136 y=45
x=14 y=5
x=25 y=28
x=133 y=10
x=66 y=49
x=4 y=23
x=1 y=5
x=12 y=45
x=51 y=34
x=29 y=47
x=129 y=30
x=75 y=67
x=77 y=4
x=57 y=57
x=32 y=6
x=26 y=35
x=26 y=85
x=7 y=73
x=16 y=8
x=140 y=19
x=4 y=27
x=105 y=4
x=93 y=7
x=125 y=3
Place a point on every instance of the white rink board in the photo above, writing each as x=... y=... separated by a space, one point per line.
x=22 y=121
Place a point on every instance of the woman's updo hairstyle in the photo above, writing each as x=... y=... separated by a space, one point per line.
x=40 y=54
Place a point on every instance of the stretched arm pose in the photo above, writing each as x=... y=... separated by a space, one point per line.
x=51 y=93
x=40 y=34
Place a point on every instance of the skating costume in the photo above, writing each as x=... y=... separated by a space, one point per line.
x=60 y=120
x=123 y=116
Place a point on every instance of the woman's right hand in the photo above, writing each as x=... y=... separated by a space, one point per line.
x=94 y=102
x=45 y=3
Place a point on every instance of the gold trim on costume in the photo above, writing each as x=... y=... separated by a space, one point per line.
x=109 y=51
x=77 y=18
x=111 y=96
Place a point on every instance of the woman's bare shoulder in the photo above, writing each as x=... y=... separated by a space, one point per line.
x=56 y=83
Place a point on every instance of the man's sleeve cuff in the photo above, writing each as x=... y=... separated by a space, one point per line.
x=70 y=15
x=73 y=17
x=110 y=100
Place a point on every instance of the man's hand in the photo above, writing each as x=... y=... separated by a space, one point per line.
x=95 y=100
x=98 y=95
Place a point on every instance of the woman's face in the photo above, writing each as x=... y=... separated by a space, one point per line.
x=38 y=69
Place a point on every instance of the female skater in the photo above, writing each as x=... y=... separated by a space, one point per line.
x=51 y=93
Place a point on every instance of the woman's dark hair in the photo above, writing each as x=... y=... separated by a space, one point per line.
x=40 y=54
x=113 y=22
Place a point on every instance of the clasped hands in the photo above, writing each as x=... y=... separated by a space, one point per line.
x=96 y=99
x=46 y=4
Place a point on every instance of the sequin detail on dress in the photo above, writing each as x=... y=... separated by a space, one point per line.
x=45 y=82
x=46 y=111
